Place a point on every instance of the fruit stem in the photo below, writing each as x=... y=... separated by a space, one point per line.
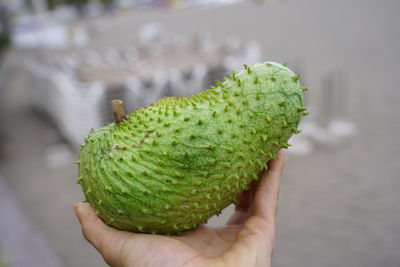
x=118 y=110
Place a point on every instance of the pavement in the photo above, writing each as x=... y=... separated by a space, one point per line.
x=338 y=205
x=25 y=238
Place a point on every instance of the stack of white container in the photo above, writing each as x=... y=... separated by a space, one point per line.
x=75 y=88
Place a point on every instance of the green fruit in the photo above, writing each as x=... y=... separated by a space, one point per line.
x=170 y=166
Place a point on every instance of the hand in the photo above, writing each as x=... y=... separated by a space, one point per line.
x=247 y=240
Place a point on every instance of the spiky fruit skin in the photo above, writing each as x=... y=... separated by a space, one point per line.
x=170 y=166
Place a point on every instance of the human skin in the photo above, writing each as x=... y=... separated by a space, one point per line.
x=247 y=239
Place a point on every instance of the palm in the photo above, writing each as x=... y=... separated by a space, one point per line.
x=246 y=240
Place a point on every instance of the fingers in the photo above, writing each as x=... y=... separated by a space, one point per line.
x=267 y=194
x=244 y=202
x=263 y=193
x=243 y=205
x=93 y=228
x=242 y=208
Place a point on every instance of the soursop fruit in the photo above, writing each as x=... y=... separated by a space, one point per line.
x=172 y=165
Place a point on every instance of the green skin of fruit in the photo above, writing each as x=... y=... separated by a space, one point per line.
x=172 y=165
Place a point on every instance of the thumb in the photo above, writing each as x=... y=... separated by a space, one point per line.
x=267 y=194
x=93 y=228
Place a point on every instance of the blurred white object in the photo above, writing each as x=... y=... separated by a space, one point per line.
x=79 y=107
x=198 y=79
x=112 y=57
x=253 y=52
x=342 y=128
x=59 y=155
x=150 y=32
x=317 y=133
x=250 y=54
x=300 y=145
x=36 y=35
x=335 y=132
x=156 y=90
x=48 y=35
x=232 y=44
x=79 y=37
x=176 y=83
x=330 y=122
x=134 y=93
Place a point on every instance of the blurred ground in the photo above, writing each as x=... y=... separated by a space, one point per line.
x=339 y=204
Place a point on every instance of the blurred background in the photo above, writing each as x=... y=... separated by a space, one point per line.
x=63 y=61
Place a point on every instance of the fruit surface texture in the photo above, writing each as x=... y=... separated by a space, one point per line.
x=172 y=165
